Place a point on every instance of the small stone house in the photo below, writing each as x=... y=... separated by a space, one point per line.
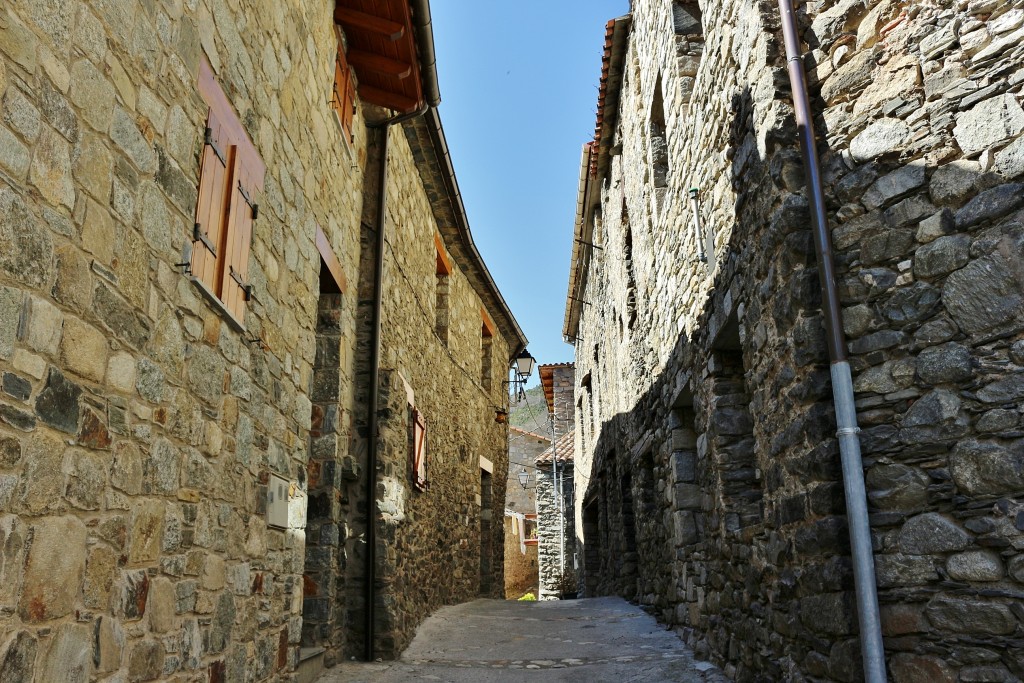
x=557 y=556
x=238 y=300
x=521 y=566
x=520 y=512
x=706 y=437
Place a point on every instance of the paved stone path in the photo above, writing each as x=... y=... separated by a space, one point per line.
x=595 y=640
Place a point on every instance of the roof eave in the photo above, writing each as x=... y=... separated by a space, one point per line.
x=593 y=168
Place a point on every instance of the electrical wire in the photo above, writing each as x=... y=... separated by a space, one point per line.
x=534 y=416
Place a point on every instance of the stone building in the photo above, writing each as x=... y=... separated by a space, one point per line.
x=524 y=446
x=705 y=443
x=556 y=486
x=521 y=566
x=520 y=512
x=201 y=359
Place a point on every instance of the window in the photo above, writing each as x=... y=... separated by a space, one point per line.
x=686 y=18
x=419 y=450
x=441 y=307
x=627 y=249
x=343 y=96
x=486 y=351
x=530 y=529
x=231 y=175
x=659 y=147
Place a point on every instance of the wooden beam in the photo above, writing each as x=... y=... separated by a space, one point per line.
x=444 y=266
x=379 y=63
x=391 y=100
x=323 y=245
x=391 y=30
x=488 y=324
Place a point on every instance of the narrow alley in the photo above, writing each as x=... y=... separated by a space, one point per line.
x=597 y=639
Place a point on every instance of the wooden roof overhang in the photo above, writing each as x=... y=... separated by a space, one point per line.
x=594 y=166
x=382 y=50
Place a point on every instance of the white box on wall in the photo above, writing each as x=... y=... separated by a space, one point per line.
x=277 y=502
x=286 y=504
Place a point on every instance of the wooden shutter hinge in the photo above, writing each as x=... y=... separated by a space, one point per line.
x=248 y=200
x=199 y=236
x=208 y=139
x=247 y=289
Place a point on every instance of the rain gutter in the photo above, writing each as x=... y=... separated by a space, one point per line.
x=872 y=648
x=431 y=98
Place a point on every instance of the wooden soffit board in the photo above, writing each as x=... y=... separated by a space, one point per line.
x=382 y=50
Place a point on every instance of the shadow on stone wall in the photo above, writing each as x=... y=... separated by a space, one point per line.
x=717 y=501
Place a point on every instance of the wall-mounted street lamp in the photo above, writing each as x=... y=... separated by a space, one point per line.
x=522 y=368
x=524 y=478
x=524 y=363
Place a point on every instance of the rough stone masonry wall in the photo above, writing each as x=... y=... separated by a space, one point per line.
x=137 y=427
x=556 y=552
x=556 y=545
x=440 y=546
x=715 y=386
x=520 y=568
x=564 y=408
x=523 y=449
x=521 y=571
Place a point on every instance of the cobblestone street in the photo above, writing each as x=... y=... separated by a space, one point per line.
x=600 y=639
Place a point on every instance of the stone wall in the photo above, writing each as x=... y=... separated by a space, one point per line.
x=139 y=426
x=555 y=493
x=440 y=546
x=708 y=404
x=563 y=408
x=556 y=547
x=521 y=573
x=520 y=568
x=523 y=449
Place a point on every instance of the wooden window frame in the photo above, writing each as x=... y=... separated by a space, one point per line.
x=231 y=177
x=343 y=92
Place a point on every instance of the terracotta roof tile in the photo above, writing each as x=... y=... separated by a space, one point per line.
x=602 y=94
x=566 y=447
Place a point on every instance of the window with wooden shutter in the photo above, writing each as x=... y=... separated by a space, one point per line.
x=343 y=98
x=231 y=175
x=419 y=450
x=210 y=211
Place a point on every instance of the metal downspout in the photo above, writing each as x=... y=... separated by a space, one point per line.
x=872 y=649
x=370 y=572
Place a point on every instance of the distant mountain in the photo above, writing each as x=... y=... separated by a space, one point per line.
x=530 y=414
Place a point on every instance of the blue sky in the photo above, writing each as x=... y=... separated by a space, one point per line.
x=519 y=95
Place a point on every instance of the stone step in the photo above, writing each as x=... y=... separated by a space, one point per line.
x=311 y=664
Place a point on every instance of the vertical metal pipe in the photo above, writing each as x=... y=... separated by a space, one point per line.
x=872 y=648
x=371 y=466
x=380 y=223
